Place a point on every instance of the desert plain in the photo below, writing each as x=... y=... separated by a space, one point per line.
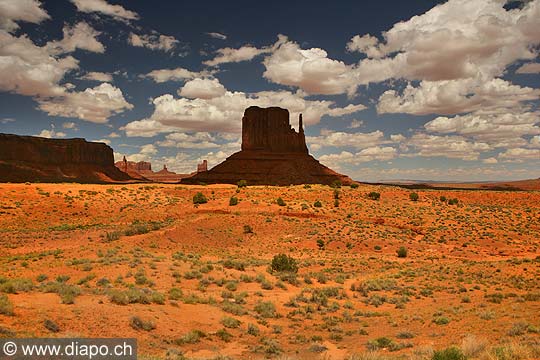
x=376 y=278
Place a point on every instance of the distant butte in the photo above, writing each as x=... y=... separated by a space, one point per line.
x=273 y=153
x=30 y=158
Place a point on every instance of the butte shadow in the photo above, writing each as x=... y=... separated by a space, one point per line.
x=273 y=153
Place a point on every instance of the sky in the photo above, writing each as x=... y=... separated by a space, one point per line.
x=424 y=90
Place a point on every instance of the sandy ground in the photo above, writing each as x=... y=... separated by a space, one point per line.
x=469 y=278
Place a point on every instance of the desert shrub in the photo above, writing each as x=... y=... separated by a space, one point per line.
x=405 y=335
x=234 y=264
x=443 y=198
x=253 y=330
x=266 y=309
x=451 y=353
x=320 y=244
x=336 y=194
x=354 y=186
x=441 y=320
x=453 y=201
x=336 y=203
x=242 y=183
x=175 y=294
x=317 y=204
x=230 y=322
x=280 y=201
x=374 y=195
x=192 y=337
x=6 y=307
x=51 y=326
x=413 y=196
x=41 y=278
x=233 y=201
x=224 y=335
x=15 y=286
x=113 y=236
x=402 y=252
x=139 y=324
x=199 y=198
x=248 y=229
x=233 y=308
x=282 y=262
x=336 y=184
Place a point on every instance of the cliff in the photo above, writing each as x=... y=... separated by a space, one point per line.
x=30 y=158
x=273 y=153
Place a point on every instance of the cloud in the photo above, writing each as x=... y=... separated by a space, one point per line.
x=93 y=104
x=153 y=41
x=202 y=89
x=69 y=125
x=113 y=135
x=340 y=139
x=12 y=11
x=31 y=70
x=456 y=40
x=530 y=68
x=453 y=147
x=6 y=120
x=520 y=154
x=217 y=35
x=97 y=76
x=355 y=124
x=455 y=96
x=493 y=128
x=311 y=69
x=224 y=113
x=197 y=140
x=102 y=7
x=365 y=155
x=228 y=55
x=490 y=160
x=80 y=36
x=52 y=133
x=178 y=74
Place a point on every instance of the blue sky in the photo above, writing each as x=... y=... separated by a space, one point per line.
x=388 y=89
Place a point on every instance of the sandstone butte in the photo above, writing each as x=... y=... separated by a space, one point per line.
x=273 y=153
x=30 y=158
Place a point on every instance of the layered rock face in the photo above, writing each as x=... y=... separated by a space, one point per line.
x=142 y=170
x=29 y=158
x=273 y=153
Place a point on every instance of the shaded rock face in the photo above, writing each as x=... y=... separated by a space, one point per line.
x=269 y=130
x=273 y=153
x=30 y=158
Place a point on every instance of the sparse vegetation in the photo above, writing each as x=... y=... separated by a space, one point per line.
x=199 y=198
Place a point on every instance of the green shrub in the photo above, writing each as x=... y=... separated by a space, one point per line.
x=453 y=201
x=230 y=322
x=354 y=186
x=374 y=195
x=451 y=353
x=242 y=184
x=320 y=244
x=15 y=286
x=317 y=204
x=441 y=320
x=248 y=229
x=175 y=294
x=266 y=309
x=233 y=201
x=199 y=198
x=6 y=307
x=282 y=262
x=192 y=337
x=443 y=198
x=139 y=324
x=413 y=196
x=224 y=335
x=51 y=326
x=253 y=330
x=280 y=201
x=402 y=252
x=336 y=194
x=336 y=184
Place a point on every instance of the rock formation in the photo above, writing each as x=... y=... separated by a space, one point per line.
x=273 y=153
x=142 y=170
x=202 y=167
x=29 y=158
